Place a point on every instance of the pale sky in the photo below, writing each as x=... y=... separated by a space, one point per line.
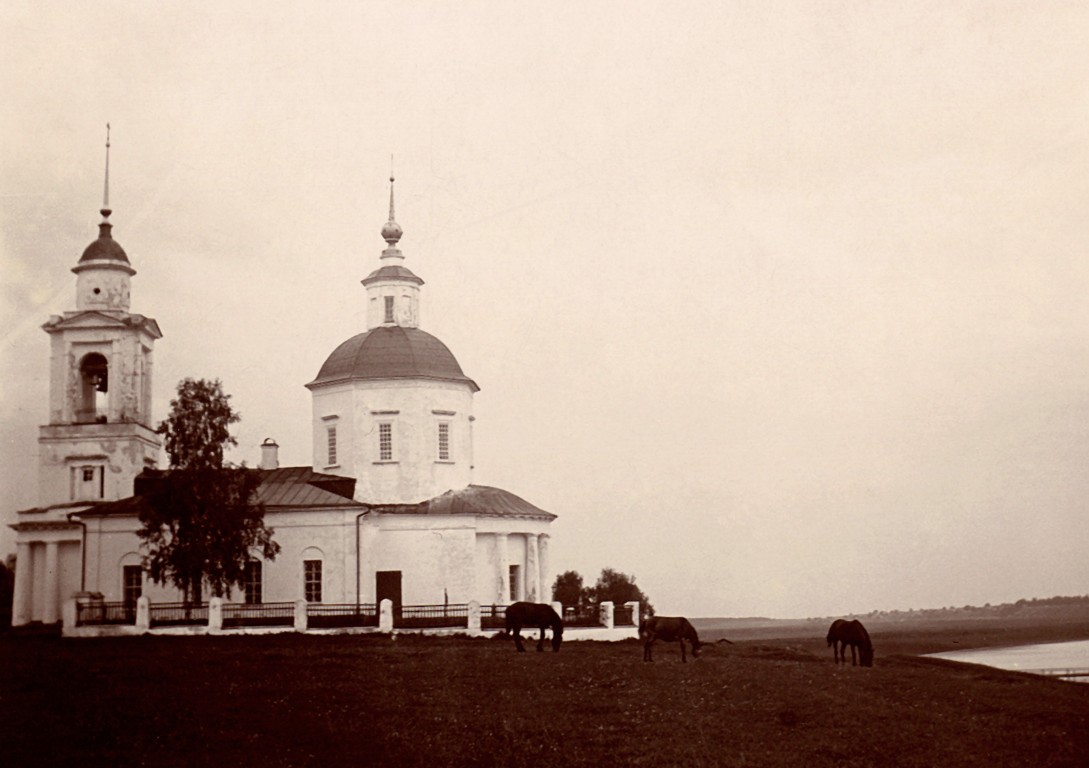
x=781 y=307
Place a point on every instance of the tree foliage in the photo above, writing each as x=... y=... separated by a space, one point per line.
x=569 y=590
x=201 y=524
x=612 y=586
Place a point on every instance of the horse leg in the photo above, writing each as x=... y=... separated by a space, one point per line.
x=683 y=657
x=518 y=640
x=540 y=642
x=853 y=662
x=840 y=649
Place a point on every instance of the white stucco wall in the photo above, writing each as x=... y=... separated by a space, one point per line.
x=466 y=556
x=414 y=408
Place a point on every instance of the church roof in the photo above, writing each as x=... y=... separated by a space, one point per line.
x=392 y=272
x=391 y=352
x=295 y=487
x=302 y=487
x=479 y=500
x=105 y=248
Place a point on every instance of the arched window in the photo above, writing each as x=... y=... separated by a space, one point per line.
x=94 y=375
x=251 y=581
x=312 y=575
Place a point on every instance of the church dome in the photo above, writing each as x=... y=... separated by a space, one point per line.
x=392 y=352
x=105 y=248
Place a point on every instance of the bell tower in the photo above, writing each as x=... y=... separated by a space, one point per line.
x=99 y=435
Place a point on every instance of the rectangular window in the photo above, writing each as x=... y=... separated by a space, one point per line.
x=513 y=583
x=331 y=441
x=444 y=441
x=312 y=580
x=389 y=309
x=385 y=442
x=88 y=482
x=251 y=582
x=132 y=577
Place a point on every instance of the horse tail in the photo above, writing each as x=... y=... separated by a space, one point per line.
x=693 y=636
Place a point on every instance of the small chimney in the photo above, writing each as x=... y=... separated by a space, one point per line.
x=270 y=457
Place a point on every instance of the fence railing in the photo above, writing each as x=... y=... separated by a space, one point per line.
x=431 y=616
x=258 y=615
x=300 y=615
x=177 y=614
x=97 y=612
x=587 y=617
x=328 y=616
x=493 y=617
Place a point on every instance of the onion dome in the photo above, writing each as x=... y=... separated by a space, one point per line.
x=105 y=248
x=392 y=352
x=391 y=230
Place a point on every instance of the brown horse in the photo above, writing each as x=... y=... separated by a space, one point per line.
x=843 y=633
x=534 y=615
x=668 y=628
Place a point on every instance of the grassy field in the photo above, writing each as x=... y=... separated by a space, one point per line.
x=296 y=700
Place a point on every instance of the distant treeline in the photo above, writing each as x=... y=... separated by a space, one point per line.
x=1080 y=603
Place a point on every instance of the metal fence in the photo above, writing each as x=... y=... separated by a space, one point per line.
x=493 y=616
x=323 y=616
x=105 y=613
x=177 y=614
x=258 y=615
x=587 y=617
x=431 y=616
x=623 y=616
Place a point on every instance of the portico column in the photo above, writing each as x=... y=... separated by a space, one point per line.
x=546 y=574
x=20 y=610
x=502 y=558
x=51 y=612
x=533 y=570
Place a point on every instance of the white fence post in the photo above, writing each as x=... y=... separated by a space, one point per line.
x=634 y=605
x=215 y=614
x=385 y=616
x=302 y=621
x=143 y=614
x=605 y=614
x=68 y=616
x=474 y=617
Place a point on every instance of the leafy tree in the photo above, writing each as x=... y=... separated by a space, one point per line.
x=201 y=523
x=612 y=585
x=620 y=588
x=570 y=591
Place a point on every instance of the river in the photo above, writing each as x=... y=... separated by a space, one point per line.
x=1072 y=655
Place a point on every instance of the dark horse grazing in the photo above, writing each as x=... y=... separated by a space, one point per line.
x=843 y=633
x=534 y=615
x=668 y=628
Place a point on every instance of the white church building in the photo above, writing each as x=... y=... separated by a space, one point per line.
x=387 y=509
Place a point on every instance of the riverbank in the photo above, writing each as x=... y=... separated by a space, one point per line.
x=914 y=634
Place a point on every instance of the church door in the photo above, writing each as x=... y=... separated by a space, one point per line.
x=388 y=587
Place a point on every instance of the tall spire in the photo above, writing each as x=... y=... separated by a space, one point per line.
x=392 y=231
x=106 y=187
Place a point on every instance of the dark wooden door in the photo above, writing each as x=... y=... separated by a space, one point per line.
x=388 y=587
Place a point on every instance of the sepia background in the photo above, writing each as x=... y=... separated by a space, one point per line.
x=782 y=307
